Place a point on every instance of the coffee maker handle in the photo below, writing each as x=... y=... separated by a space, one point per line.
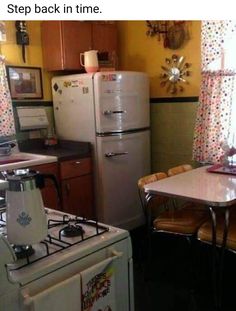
x=40 y=183
x=81 y=62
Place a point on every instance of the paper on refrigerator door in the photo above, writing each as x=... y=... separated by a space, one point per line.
x=98 y=287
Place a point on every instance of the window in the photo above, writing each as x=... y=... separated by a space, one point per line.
x=217 y=101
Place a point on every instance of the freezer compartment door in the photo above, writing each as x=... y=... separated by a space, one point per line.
x=73 y=107
x=121 y=161
x=121 y=101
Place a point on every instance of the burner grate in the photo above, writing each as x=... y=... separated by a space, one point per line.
x=2 y=219
x=60 y=242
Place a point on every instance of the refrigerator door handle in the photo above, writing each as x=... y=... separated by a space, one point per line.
x=110 y=112
x=114 y=154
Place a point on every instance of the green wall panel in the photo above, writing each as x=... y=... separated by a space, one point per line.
x=172 y=127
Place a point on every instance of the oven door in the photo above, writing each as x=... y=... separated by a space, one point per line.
x=95 y=282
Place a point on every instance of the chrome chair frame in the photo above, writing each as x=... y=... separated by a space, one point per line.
x=217 y=282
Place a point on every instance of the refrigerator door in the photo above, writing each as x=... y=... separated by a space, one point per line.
x=73 y=107
x=121 y=101
x=121 y=161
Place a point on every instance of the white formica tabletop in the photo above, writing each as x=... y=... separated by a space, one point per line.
x=212 y=189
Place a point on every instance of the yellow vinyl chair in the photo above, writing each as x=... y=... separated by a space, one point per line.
x=158 y=202
x=179 y=169
x=180 y=222
x=184 y=221
x=205 y=232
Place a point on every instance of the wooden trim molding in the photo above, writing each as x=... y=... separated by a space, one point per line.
x=155 y=100
x=159 y=100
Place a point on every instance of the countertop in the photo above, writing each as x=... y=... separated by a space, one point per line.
x=64 y=150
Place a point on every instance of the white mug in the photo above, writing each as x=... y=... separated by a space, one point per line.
x=90 y=61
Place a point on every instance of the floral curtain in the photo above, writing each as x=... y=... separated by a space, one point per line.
x=7 y=126
x=218 y=86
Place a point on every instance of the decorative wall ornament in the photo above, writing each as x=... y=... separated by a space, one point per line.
x=173 y=33
x=176 y=72
x=25 y=82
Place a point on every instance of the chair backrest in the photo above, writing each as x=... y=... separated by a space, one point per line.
x=157 y=200
x=150 y=178
x=179 y=169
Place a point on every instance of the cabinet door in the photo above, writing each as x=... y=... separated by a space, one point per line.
x=49 y=193
x=77 y=196
x=52 y=45
x=104 y=37
x=77 y=38
x=62 y=43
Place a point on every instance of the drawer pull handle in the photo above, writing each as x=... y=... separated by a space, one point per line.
x=77 y=162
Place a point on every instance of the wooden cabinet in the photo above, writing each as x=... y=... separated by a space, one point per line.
x=77 y=187
x=63 y=41
x=75 y=181
x=104 y=40
x=49 y=193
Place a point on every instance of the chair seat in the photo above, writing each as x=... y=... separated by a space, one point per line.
x=186 y=220
x=200 y=207
x=205 y=232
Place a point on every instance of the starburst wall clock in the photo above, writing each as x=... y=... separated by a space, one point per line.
x=175 y=75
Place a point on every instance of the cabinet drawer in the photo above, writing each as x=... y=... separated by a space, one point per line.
x=76 y=167
x=50 y=168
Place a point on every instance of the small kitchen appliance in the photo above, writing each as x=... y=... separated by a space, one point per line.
x=26 y=219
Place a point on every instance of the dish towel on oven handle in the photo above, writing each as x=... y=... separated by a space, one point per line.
x=60 y=297
x=98 y=286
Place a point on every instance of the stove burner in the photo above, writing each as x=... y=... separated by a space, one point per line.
x=2 y=219
x=23 y=251
x=72 y=231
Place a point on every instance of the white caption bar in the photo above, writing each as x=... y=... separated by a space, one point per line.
x=115 y=10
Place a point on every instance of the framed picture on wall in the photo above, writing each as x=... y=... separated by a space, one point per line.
x=25 y=82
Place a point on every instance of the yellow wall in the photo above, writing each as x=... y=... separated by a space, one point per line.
x=139 y=52
x=13 y=54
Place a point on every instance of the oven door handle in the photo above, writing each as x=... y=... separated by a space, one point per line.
x=26 y=298
x=115 y=253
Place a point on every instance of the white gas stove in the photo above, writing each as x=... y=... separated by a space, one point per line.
x=77 y=251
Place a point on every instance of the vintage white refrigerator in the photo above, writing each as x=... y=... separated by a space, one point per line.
x=111 y=110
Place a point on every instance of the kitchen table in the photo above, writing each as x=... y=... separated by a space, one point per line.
x=214 y=190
